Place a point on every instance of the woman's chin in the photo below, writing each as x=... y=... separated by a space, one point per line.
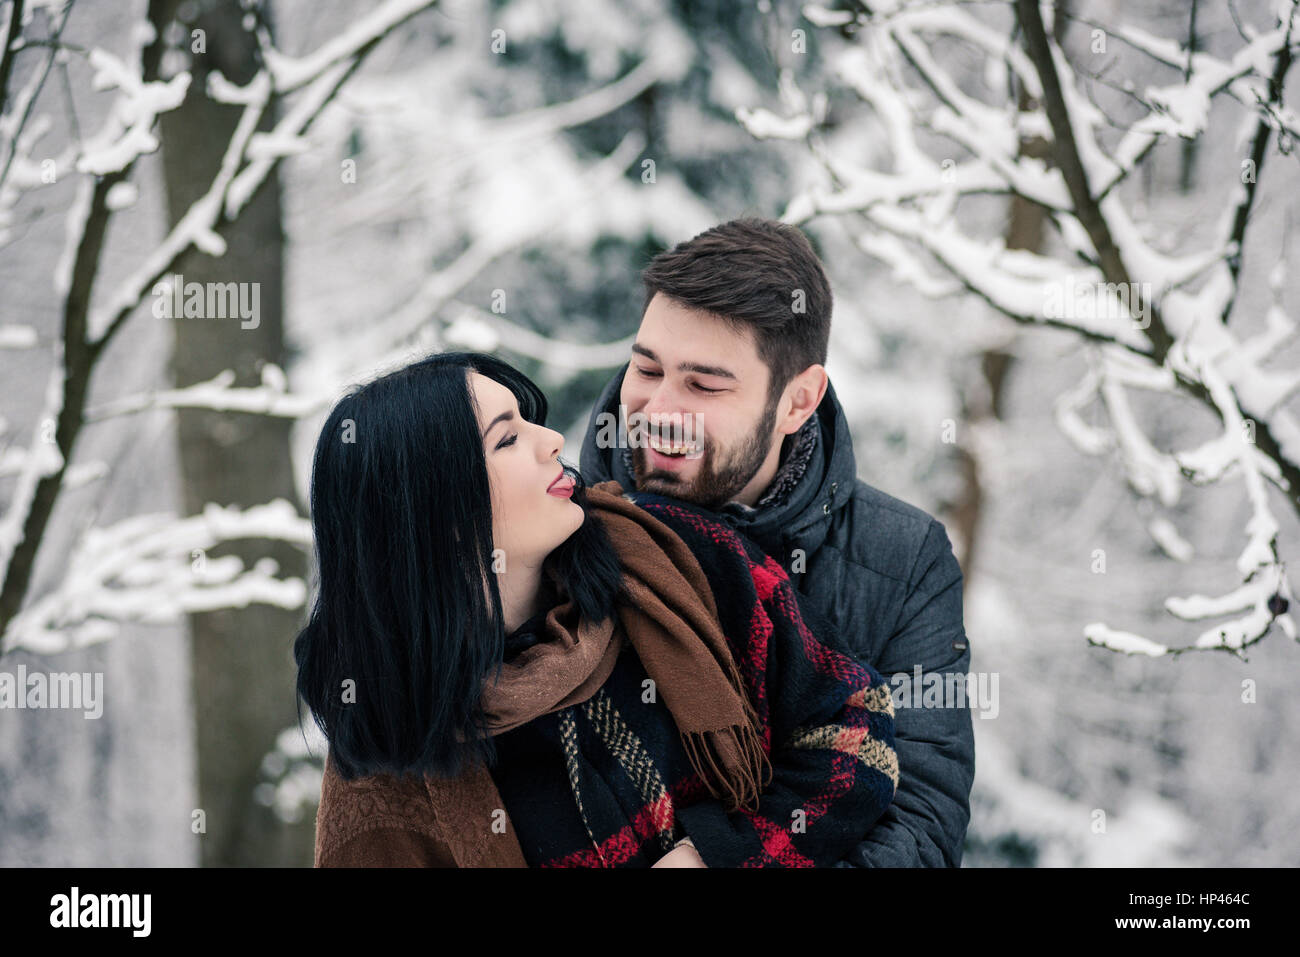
x=575 y=514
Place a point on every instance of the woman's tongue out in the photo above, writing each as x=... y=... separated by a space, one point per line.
x=561 y=487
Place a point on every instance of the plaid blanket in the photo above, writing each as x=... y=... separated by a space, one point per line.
x=606 y=783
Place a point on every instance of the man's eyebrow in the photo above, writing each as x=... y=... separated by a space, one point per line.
x=503 y=417
x=687 y=366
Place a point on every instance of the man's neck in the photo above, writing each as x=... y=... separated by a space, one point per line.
x=753 y=492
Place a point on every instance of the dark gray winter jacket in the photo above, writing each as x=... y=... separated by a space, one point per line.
x=884 y=574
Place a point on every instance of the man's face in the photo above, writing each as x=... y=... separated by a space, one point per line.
x=696 y=395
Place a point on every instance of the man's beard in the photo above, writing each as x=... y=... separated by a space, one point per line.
x=715 y=483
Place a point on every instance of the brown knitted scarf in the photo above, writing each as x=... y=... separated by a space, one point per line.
x=672 y=621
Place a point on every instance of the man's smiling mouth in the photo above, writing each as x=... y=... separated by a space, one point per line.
x=672 y=448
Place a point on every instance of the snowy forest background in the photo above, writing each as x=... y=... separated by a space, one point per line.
x=1123 y=494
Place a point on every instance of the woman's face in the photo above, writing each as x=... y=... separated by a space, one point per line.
x=532 y=509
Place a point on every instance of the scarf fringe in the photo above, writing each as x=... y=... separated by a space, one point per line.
x=732 y=763
x=717 y=720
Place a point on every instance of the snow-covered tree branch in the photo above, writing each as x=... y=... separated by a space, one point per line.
x=155 y=569
x=1156 y=316
x=104 y=161
x=428 y=316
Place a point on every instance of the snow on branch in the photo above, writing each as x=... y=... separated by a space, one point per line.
x=240 y=173
x=40 y=460
x=128 y=132
x=483 y=331
x=1111 y=286
x=196 y=228
x=384 y=344
x=155 y=569
x=221 y=395
x=19 y=133
x=1237 y=77
x=986 y=134
x=663 y=64
x=14 y=336
x=291 y=73
x=496 y=238
x=105 y=162
x=1019 y=284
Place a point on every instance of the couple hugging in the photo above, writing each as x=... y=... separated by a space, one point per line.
x=675 y=657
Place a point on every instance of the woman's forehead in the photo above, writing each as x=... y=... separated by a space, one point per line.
x=491 y=397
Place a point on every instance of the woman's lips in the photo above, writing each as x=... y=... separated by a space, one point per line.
x=562 y=487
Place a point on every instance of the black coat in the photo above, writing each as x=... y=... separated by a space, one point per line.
x=884 y=574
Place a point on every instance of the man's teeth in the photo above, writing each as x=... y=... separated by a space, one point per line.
x=669 y=448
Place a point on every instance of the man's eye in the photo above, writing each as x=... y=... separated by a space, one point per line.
x=704 y=389
x=648 y=374
x=510 y=441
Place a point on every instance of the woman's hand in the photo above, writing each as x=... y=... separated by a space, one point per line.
x=683 y=855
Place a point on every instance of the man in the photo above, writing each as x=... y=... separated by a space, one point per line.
x=728 y=406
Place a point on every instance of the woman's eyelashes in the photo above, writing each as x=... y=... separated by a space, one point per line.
x=507 y=441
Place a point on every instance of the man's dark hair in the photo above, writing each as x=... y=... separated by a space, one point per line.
x=754 y=273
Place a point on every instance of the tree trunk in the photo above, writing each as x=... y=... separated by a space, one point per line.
x=243 y=669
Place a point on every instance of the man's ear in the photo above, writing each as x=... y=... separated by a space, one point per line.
x=802 y=396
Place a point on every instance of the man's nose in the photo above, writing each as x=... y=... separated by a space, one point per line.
x=663 y=402
x=665 y=415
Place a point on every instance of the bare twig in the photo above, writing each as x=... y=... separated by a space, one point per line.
x=26 y=100
x=12 y=30
x=1258 y=151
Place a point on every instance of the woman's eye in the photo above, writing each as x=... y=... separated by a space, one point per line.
x=648 y=374
x=510 y=441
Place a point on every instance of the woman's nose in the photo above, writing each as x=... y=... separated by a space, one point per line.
x=551 y=445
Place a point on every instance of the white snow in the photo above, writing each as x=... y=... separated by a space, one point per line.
x=143 y=569
x=1122 y=641
x=14 y=336
x=127 y=133
x=121 y=196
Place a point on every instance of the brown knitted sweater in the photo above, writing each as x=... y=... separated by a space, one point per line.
x=384 y=821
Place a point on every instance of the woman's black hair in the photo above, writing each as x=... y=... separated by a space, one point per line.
x=403 y=631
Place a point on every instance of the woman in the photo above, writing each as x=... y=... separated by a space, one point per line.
x=514 y=670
